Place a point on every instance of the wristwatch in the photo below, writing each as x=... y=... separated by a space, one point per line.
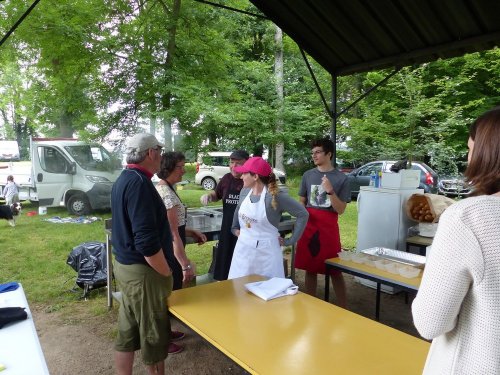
x=188 y=267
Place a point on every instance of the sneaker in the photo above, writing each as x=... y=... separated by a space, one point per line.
x=174 y=348
x=176 y=335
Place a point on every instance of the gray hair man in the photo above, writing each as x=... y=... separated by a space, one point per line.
x=143 y=250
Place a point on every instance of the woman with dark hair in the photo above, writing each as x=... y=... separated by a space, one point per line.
x=171 y=172
x=458 y=302
x=256 y=220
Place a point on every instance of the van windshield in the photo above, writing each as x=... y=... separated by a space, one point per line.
x=94 y=158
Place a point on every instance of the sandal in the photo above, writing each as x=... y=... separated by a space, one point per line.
x=174 y=348
x=176 y=335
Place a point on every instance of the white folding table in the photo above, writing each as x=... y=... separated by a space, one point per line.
x=20 y=350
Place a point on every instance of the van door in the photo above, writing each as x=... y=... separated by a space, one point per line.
x=52 y=174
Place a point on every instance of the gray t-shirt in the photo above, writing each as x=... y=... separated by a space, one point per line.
x=285 y=204
x=316 y=197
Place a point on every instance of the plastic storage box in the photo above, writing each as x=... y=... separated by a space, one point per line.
x=406 y=178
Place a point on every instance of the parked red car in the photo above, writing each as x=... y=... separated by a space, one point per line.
x=345 y=166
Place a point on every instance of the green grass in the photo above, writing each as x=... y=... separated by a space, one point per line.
x=348 y=223
x=35 y=252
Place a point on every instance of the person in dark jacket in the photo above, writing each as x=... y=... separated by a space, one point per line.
x=228 y=189
x=142 y=246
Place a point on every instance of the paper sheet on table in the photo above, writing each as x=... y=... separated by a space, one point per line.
x=272 y=288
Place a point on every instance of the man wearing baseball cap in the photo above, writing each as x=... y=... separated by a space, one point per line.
x=142 y=246
x=228 y=189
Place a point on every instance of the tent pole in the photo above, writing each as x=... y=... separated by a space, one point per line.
x=19 y=21
x=333 y=133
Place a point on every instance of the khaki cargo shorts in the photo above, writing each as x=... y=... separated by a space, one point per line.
x=143 y=321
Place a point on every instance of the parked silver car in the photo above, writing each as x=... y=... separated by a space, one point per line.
x=453 y=186
x=213 y=165
x=361 y=176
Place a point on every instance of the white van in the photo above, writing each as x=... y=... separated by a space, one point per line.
x=212 y=166
x=66 y=172
x=9 y=151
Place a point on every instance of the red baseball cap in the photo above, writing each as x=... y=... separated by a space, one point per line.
x=255 y=165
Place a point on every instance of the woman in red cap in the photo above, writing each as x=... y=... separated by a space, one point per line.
x=256 y=220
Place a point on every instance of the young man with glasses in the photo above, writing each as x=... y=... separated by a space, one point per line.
x=325 y=192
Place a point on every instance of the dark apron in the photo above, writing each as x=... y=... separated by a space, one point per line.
x=319 y=242
x=227 y=240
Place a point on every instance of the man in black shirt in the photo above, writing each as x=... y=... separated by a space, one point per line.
x=228 y=189
x=142 y=246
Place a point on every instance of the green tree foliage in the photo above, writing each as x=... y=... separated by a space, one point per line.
x=95 y=67
x=423 y=112
x=54 y=48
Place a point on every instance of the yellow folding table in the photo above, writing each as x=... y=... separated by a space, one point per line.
x=370 y=273
x=296 y=334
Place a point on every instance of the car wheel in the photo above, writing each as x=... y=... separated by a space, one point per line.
x=78 y=205
x=208 y=183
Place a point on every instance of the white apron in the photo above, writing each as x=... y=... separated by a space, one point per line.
x=257 y=251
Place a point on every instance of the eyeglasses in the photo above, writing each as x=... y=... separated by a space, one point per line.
x=317 y=152
x=158 y=148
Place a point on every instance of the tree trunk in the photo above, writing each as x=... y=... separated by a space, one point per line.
x=173 y=17
x=149 y=56
x=66 y=125
x=167 y=133
x=278 y=72
x=152 y=124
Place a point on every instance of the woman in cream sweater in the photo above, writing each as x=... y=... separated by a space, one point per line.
x=458 y=303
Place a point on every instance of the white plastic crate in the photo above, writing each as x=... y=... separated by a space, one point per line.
x=406 y=178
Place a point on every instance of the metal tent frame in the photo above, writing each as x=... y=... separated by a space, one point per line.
x=354 y=36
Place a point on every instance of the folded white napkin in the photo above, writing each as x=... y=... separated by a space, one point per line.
x=272 y=288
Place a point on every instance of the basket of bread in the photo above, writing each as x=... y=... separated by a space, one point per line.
x=427 y=208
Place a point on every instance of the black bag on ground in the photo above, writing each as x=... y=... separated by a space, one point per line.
x=12 y=314
x=90 y=261
x=215 y=249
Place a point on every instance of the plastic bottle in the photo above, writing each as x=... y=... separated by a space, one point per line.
x=372 y=179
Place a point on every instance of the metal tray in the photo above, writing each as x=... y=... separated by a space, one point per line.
x=403 y=257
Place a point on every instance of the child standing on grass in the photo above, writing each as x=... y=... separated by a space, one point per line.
x=11 y=191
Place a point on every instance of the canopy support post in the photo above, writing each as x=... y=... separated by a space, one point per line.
x=19 y=21
x=334 y=116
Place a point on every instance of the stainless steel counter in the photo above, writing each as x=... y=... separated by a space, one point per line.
x=207 y=220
